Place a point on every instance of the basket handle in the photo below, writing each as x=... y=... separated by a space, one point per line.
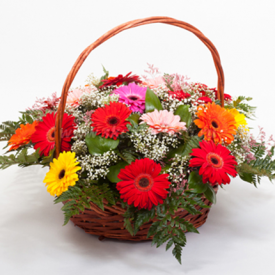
x=113 y=32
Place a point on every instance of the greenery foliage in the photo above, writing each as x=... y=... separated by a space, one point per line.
x=167 y=227
x=240 y=103
x=152 y=102
x=186 y=147
x=77 y=198
x=7 y=129
x=263 y=166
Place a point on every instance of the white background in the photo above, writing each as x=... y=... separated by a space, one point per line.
x=39 y=42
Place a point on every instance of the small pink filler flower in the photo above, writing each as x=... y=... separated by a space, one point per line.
x=132 y=95
x=163 y=121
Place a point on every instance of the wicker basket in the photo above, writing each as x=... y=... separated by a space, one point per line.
x=109 y=223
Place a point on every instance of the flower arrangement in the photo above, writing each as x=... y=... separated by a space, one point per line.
x=153 y=144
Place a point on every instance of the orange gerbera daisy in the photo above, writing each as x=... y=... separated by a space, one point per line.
x=216 y=123
x=22 y=135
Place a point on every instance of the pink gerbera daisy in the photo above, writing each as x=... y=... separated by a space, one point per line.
x=74 y=96
x=132 y=95
x=163 y=121
x=155 y=82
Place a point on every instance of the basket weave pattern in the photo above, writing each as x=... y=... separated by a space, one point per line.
x=110 y=222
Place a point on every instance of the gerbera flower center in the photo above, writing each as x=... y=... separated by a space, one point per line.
x=51 y=135
x=214 y=160
x=144 y=182
x=133 y=97
x=113 y=120
x=215 y=124
x=61 y=174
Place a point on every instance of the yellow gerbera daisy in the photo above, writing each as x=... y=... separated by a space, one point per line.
x=239 y=118
x=62 y=173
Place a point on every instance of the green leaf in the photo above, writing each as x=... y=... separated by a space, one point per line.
x=128 y=226
x=180 y=235
x=68 y=205
x=246 y=177
x=22 y=156
x=106 y=72
x=98 y=145
x=210 y=194
x=191 y=209
x=169 y=244
x=177 y=252
x=7 y=129
x=142 y=217
x=152 y=102
x=114 y=171
x=186 y=148
x=182 y=227
x=128 y=156
x=162 y=240
x=153 y=229
x=191 y=228
x=105 y=76
x=46 y=160
x=72 y=193
x=22 y=159
x=195 y=183
x=134 y=118
x=67 y=217
x=29 y=119
x=185 y=115
x=164 y=169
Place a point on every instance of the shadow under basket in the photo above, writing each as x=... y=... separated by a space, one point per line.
x=110 y=222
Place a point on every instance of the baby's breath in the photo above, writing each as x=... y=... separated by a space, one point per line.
x=153 y=146
x=240 y=147
x=178 y=170
x=97 y=166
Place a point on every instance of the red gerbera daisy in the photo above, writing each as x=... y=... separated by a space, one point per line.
x=215 y=162
x=180 y=95
x=201 y=88
x=110 y=121
x=142 y=185
x=204 y=100
x=44 y=136
x=120 y=79
x=226 y=96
